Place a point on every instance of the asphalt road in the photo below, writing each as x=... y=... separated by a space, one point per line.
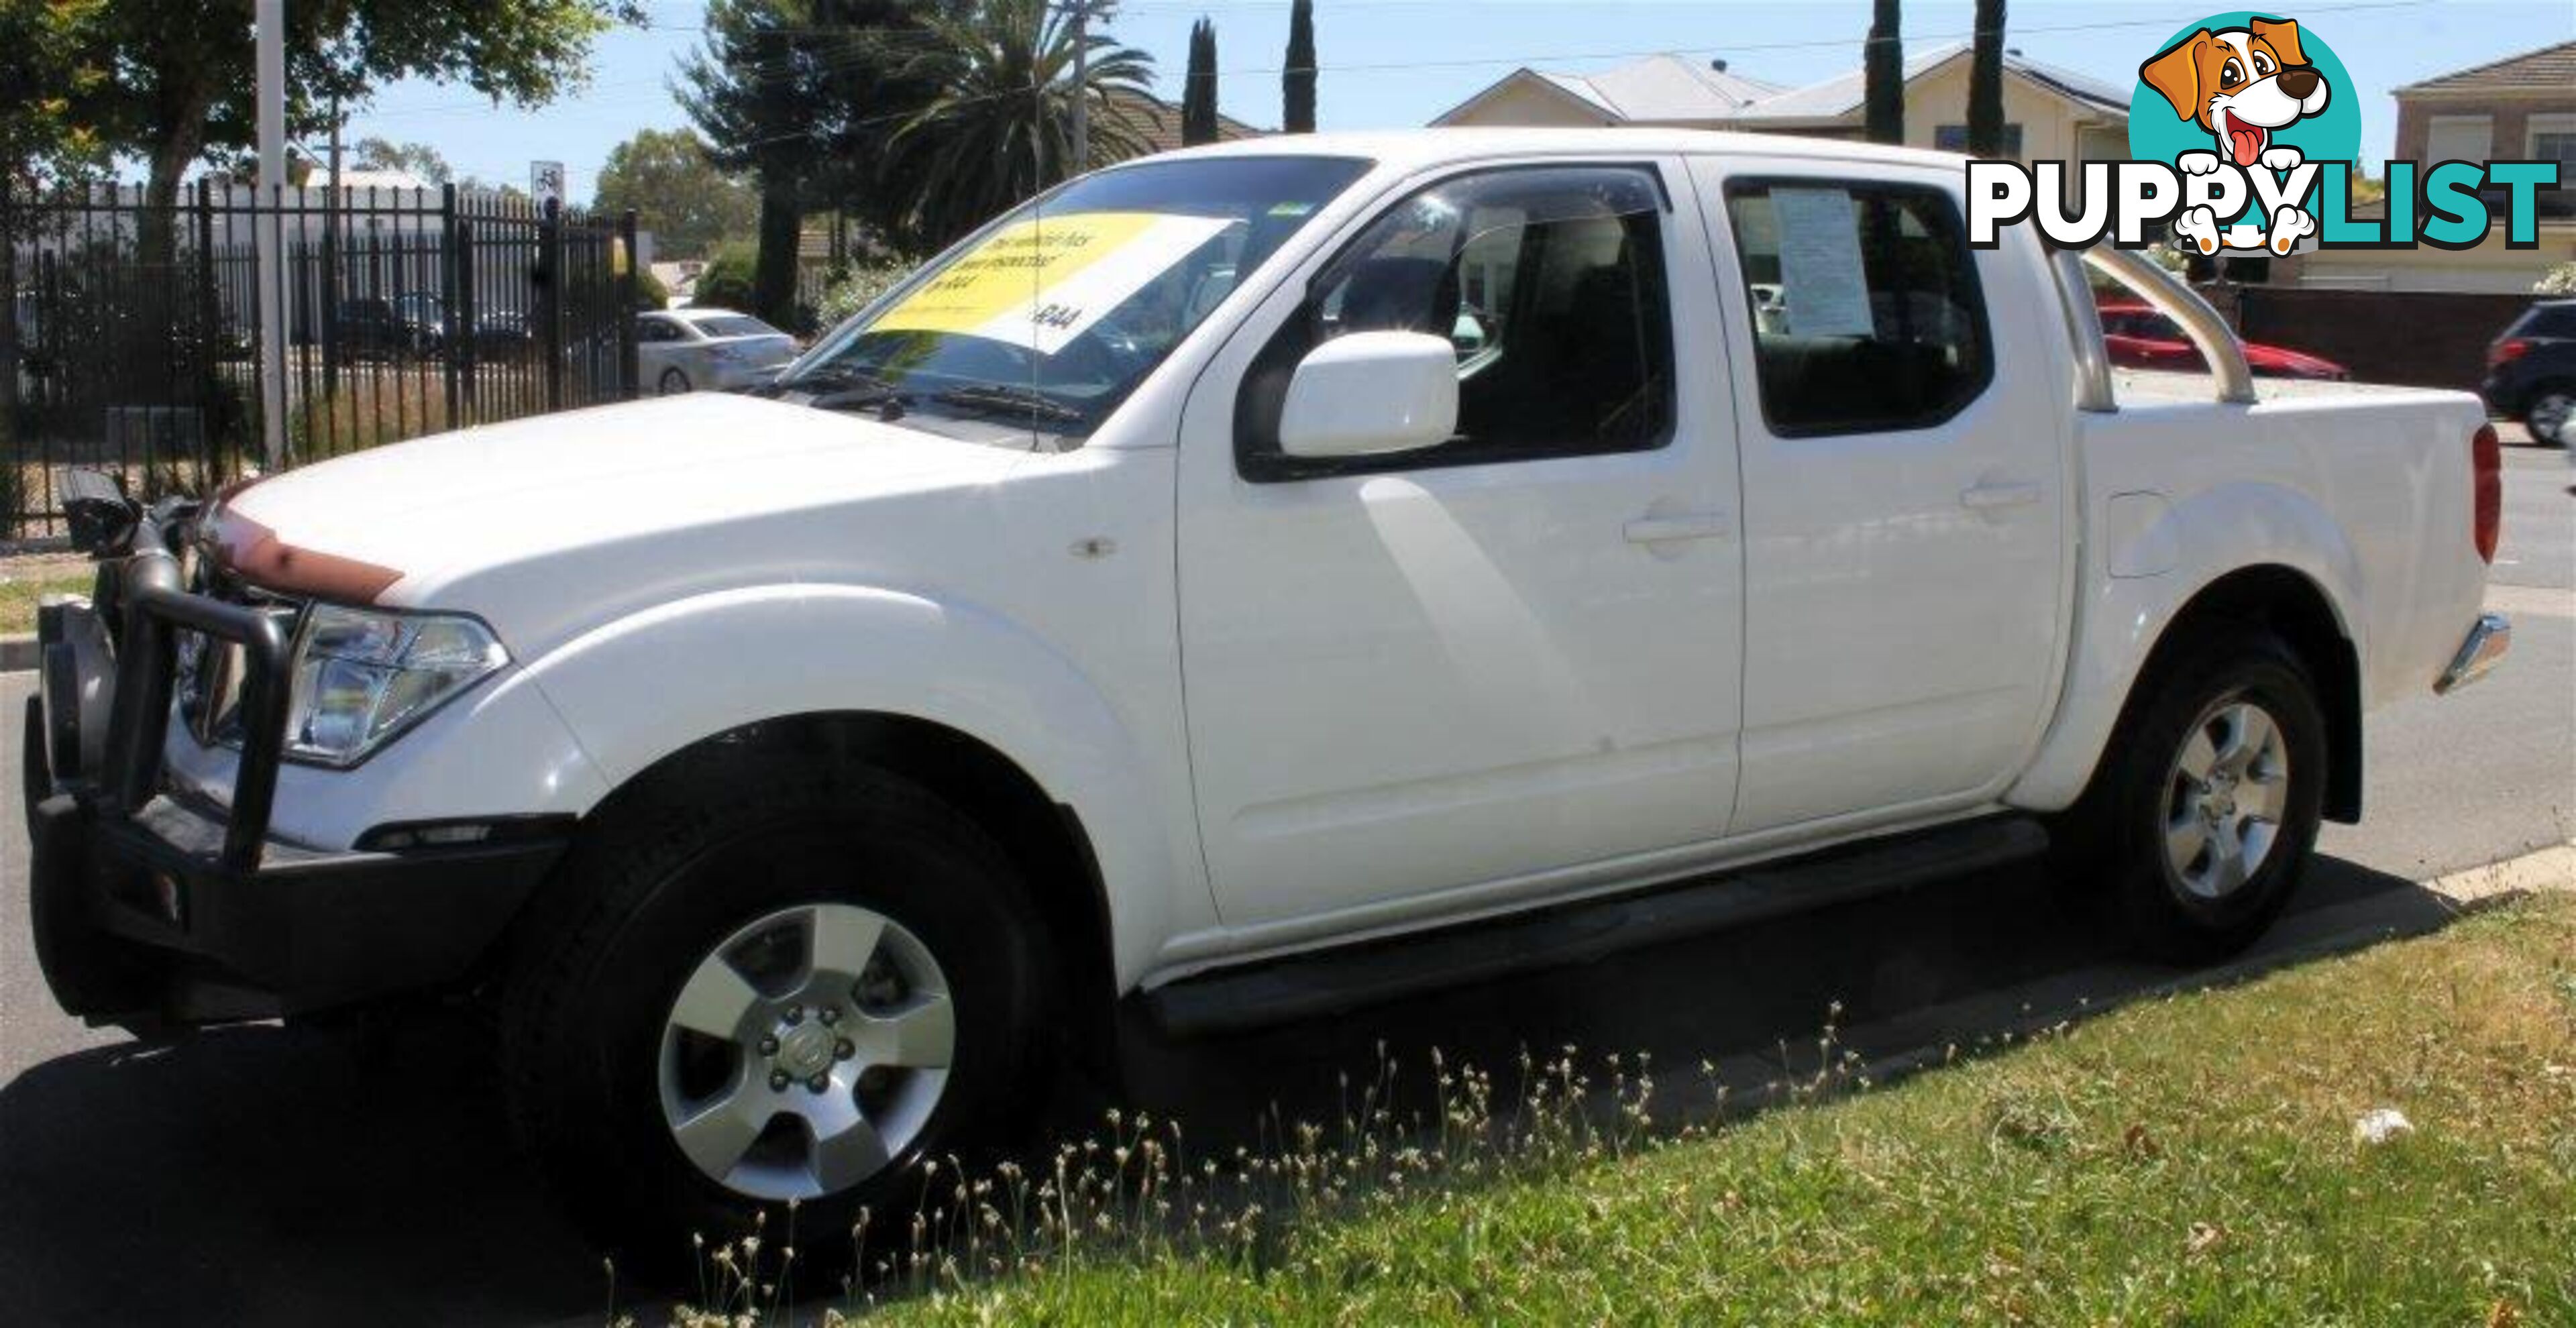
x=332 y=1175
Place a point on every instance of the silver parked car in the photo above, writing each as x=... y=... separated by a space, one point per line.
x=685 y=350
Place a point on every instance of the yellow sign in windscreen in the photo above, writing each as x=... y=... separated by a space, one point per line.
x=1040 y=283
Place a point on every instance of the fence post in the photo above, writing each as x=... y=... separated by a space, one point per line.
x=550 y=299
x=457 y=334
x=624 y=313
x=468 y=319
x=215 y=423
x=9 y=334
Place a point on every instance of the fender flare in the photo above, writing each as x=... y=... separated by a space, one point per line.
x=642 y=687
x=2120 y=621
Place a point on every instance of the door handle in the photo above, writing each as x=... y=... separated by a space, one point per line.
x=1686 y=526
x=1988 y=497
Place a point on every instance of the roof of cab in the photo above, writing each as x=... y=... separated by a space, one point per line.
x=1418 y=148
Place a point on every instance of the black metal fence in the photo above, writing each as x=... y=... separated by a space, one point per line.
x=130 y=331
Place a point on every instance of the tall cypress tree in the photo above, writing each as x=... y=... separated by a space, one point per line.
x=1198 y=89
x=1297 y=80
x=1986 y=82
x=1883 y=72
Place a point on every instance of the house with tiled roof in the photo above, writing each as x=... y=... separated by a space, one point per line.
x=2050 y=112
x=1158 y=121
x=2518 y=108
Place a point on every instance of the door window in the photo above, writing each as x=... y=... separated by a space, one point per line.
x=1549 y=283
x=1865 y=307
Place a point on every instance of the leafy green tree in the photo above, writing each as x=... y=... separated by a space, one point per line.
x=42 y=64
x=418 y=159
x=1198 y=89
x=1986 y=82
x=676 y=191
x=1001 y=127
x=747 y=91
x=182 y=82
x=1883 y=77
x=726 y=281
x=804 y=96
x=1297 y=77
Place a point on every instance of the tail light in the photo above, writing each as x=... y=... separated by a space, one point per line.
x=2486 y=457
x=2506 y=352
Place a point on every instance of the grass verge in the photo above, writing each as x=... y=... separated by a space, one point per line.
x=2194 y=1159
x=23 y=586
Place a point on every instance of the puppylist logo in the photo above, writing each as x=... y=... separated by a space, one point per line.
x=2243 y=130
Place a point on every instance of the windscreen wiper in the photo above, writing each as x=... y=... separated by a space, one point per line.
x=1003 y=398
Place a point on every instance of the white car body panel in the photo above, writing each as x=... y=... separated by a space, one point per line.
x=1468 y=693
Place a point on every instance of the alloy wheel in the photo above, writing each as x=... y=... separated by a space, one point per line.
x=2226 y=795
x=807 y=1051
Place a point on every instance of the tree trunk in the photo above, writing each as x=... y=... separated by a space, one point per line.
x=1986 y=83
x=773 y=274
x=1883 y=66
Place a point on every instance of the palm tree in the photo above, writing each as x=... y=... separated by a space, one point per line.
x=1001 y=129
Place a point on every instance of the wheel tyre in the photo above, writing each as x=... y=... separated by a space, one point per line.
x=2116 y=845
x=645 y=899
x=674 y=382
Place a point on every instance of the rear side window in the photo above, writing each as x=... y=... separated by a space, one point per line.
x=2548 y=320
x=1866 y=312
x=735 y=325
x=1549 y=284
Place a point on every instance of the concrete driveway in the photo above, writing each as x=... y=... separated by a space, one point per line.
x=336 y=1175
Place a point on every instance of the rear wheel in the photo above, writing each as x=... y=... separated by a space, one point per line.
x=768 y=986
x=674 y=382
x=2207 y=811
x=2548 y=414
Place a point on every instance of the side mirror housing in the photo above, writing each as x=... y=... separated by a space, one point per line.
x=1371 y=394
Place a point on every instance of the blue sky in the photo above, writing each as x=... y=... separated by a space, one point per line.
x=1391 y=63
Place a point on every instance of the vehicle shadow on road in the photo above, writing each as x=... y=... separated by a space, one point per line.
x=331 y=1175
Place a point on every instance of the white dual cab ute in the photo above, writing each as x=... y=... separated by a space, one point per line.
x=1240 y=584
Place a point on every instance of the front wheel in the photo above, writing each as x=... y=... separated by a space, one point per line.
x=2211 y=801
x=770 y=987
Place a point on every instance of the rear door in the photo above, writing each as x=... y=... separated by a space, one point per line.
x=1903 y=403
x=1467 y=668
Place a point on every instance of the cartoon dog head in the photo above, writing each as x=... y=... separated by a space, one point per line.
x=2240 y=84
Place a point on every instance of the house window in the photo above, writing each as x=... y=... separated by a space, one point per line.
x=2553 y=138
x=1954 y=138
x=2459 y=138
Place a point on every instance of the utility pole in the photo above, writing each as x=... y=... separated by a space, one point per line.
x=1082 y=10
x=270 y=62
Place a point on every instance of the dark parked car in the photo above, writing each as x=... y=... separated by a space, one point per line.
x=2531 y=370
x=372 y=328
x=498 y=333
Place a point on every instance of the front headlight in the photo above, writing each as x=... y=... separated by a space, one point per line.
x=361 y=678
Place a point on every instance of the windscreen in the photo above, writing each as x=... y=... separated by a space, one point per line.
x=1055 y=313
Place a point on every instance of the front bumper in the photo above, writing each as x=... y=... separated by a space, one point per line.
x=152 y=908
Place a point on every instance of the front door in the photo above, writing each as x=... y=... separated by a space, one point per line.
x=1460 y=669
x=1905 y=492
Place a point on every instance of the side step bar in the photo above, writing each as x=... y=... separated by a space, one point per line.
x=1346 y=978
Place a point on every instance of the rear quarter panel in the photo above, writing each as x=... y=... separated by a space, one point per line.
x=2365 y=491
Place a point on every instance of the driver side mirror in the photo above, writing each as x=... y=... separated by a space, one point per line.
x=1371 y=394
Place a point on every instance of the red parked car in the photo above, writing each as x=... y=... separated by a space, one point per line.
x=2140 y=337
